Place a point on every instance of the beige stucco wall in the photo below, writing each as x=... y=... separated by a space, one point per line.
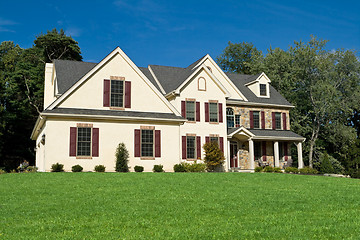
x=90 y=94
x=202 y=128
x=49 y=91
x=110 y=135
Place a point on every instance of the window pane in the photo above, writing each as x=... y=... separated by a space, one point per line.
x=256 y=119
x=214 y=139
x=281 y=150
x=213 y=112
x=262 y=89
x=237 y=120
x=147 y=143
x=230 y=117
x=257 y=150
x=278 y=120
x=190 y=147
x=84 y=142
x=117 y=93
x=190 y=110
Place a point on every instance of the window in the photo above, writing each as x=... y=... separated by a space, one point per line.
x=190 y=147
x=230 y=117
x=147 y=143
x=257 y=150
x=256 y=119
x=281 y=150
x=213 y=112
x=237 y=120
x=117 y=93
x=277 y=120
x=214 y=139
x=262 y=89
x=190 y=110
x=84 y=141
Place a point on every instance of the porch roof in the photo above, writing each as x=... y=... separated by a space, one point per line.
x=268 y=134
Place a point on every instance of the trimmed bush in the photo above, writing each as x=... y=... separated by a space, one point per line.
x=179 y=167
x=2 y=171
x=139 y=168
x=57 y=167
x=76 y=168
x=258 y=169
x=214 y=157
x=277 y=170
x=268 y=169
x=122 y=158
x=99 y=168
x=158 y=168
x=291 y=170
x=195 y=167
x=31 y=169
x=308 y=170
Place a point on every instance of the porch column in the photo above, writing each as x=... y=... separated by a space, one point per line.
x=276 y=154
x=228 y=155
x=300 y=158
x=251 y=154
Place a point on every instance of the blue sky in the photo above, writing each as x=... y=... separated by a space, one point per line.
x=176 y=33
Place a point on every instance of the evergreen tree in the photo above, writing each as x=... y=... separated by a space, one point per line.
x=214 y=157
x=122 y=158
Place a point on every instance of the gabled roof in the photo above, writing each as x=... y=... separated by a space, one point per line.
x=240 y=80
x=69 y=72
x=267 y=133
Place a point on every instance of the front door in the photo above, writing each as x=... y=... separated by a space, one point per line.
x=233 y=155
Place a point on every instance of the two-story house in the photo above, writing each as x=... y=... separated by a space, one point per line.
x=163 y=114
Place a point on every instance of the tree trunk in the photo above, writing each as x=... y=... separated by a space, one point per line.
x=314 y=137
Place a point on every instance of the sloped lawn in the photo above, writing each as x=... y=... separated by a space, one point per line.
x=178 y=206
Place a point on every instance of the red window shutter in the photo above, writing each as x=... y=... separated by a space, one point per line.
x=95 y=142
x=127 y=94
x=198 y=147
x=221 y=140
x=206 y=112
x=73 y=136
x=207 y=139
x=262 y=119
x=183 y=109
x=137 y=143
x=273 y=121
x=198 y=111
x=264 y=151
x=285 y=151
x=220 y=112
x=251 y=119
x=157 y=143
x=284 y=121
x=106 y=93
x=183 y=147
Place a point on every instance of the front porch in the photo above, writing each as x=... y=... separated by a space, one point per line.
x=248 y=149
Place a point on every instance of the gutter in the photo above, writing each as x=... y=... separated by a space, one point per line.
x=235 y=102
x=38 y=126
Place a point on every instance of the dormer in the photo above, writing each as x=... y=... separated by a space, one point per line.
x=260 y=86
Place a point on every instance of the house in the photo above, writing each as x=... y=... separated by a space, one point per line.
x=163 y=114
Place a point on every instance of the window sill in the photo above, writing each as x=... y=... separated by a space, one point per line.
x=214 y=122
x=192 y=159
x=117 y=108
x=83 y=157
x=190 y=121
x=147 y=158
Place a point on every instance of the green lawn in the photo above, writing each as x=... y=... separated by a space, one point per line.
x=178 y=206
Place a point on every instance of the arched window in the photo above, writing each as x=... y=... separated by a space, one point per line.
x=201 y=84
x=230 y=117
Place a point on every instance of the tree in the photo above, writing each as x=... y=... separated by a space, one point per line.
x=122 y=158
x=214 y=157
x=56 y=45
x=239 y=57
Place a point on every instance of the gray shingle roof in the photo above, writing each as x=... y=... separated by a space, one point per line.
x=148 y=74
x=268 y=133
x=77 y=111
x=240 y=80
x=69 y=72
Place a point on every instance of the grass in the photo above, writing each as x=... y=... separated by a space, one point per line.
x=178 y=206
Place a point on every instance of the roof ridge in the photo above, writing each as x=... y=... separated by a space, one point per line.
x=165 y=66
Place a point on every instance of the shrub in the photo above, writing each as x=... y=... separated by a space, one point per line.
x=139 y=168
x=277 y=170
x=195 y=167
x=31 y=169
x=13 y=171
x=308 y=170
x=2 y=171
x=258 y=169
x=158 y=168
x=57 y=167
x=76 y=168
x=268 y=169
x=179 y=167
x=214 y=157
x=122 y=158
x=99 y=168
x=328 y=164
x=355 y=173
x=325 y=165
x=291 y=170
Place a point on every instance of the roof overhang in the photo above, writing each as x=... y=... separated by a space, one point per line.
x=242 y=103
x=258 y=79
x=241 y=131
x=38 y=126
